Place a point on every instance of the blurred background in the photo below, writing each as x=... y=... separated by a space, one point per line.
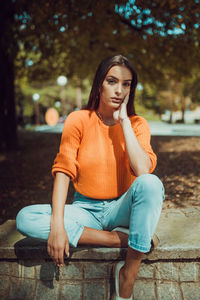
x=49 y=52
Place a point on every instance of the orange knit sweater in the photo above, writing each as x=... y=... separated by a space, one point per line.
x=94 y=155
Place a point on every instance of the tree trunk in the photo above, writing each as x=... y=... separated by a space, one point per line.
x=170 y=117
x=183 y=107
x=8 y=125
x=183 y=115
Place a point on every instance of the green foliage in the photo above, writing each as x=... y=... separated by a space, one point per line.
x=72 y=37
x=161 y=39
x=50 y=93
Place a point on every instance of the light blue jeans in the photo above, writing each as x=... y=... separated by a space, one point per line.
x=139 y=209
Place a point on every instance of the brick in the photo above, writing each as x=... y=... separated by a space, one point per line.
x=4 y=287
x=168 y=291
x=5 y=268
x=22 y=269
x=46 y=271
x=16 y=270
x=144 y=290
x=71 y=292
x=191 y=291
x=46 y=290
x=146 y=271
x=29 y=272
x=189 y=272
x=111 y=288
x=92 y=270
x=94 y=290
x=21 y=289
x=72 y=271
x=110 y=267
x=167 y=271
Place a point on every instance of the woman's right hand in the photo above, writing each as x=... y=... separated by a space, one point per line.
x=58 y=244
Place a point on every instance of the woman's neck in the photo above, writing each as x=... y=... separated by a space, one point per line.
x=106 y=112
x=106 y=118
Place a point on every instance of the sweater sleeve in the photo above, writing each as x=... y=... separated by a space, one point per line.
x=142 y=132
x=66 y=160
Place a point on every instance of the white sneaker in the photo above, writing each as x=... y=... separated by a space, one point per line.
x=118 y=266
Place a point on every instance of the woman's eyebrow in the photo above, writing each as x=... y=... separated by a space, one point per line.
x=118 y=78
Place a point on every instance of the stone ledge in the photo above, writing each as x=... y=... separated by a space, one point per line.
x=171 y=271
x=178 y=231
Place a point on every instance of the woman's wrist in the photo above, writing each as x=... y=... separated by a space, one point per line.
x=124 y=120
x=57 y=220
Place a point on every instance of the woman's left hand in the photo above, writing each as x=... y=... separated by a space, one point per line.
x=121 y=113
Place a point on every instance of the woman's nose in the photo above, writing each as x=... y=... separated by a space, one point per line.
x=118 y=89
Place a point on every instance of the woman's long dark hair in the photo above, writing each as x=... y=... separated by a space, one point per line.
x=103 y=68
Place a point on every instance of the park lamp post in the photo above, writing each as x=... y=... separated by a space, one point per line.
x=35 y=98
x=62 y=81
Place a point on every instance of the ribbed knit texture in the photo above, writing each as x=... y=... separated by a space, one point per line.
x=94 y=155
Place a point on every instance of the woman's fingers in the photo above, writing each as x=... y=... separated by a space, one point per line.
x=116 y=115
x=60 y=259
x=126 y=99
x=57 y=245
x=67 y=249
x=49 y=249
x=121 y=112
x=57 y=254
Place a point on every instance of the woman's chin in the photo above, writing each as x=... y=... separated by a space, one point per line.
x=116 y=105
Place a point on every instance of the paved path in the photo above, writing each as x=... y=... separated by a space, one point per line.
x=161 y=128
x=157 y=128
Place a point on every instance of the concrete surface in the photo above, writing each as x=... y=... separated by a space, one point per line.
x=178 y=231
x=171 y=271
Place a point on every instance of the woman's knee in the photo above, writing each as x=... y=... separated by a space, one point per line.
x=22 y=218
x=151 y=186
x=149 y=182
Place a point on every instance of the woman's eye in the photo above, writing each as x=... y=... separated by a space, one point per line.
x=127 y=84
x=110 y=81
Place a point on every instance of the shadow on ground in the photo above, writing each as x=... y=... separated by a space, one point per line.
x=25 y=176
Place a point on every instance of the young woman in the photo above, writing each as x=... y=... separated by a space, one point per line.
x=105 y=151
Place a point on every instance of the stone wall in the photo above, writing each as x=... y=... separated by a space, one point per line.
x=171 y=271
x=77 y=280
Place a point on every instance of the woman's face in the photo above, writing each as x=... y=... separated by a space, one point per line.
x=115 y=87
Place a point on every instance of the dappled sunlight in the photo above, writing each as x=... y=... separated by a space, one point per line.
x=179 y=144
x=179 y=169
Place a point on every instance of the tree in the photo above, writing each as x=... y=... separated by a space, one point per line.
x=7 y=55
x=71 y=37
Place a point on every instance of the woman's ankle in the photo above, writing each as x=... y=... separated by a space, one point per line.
x=119 y=239
x=127 y=276
x=126 y=283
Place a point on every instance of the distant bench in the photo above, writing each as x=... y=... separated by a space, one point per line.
x=171 y=271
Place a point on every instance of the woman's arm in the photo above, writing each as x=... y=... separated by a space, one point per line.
x=139 y=160
x=58 y=240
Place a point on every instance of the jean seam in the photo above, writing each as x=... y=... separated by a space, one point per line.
x=77 y=235
x=138 y=247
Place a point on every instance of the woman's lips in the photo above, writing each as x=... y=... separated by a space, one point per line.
x=116 y=100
